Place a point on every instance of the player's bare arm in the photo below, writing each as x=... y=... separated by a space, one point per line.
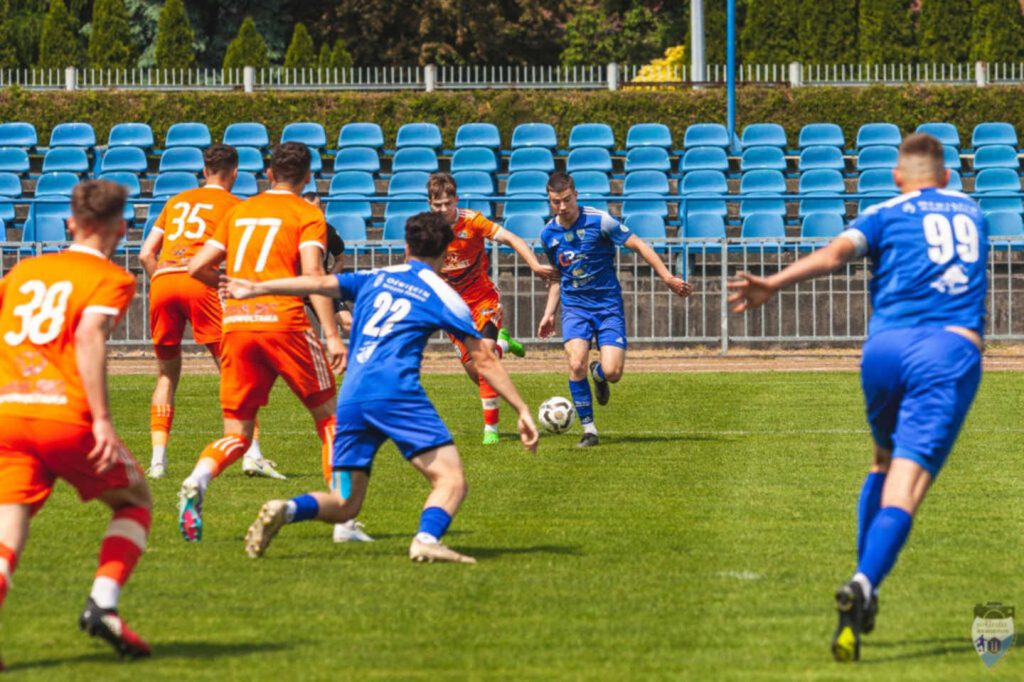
x=679 y=286
x=490 y=368
x=750 y=291
x=547 y=322
x=304 y=285
x=311 y=262
x=204 y=265
x=514 y=242
x=149 y=254
x=91 y=358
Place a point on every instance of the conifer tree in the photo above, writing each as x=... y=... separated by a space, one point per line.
x=59 y=45
x=174 y=37
x=247 y=49
x=108 y=42
x=944 y=31
x=886 y=32
x=300 y=54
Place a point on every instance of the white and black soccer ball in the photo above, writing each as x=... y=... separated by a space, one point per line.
x=556 y=414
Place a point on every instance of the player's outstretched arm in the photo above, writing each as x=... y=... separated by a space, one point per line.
x=148 y=254
x=545 y=272
x=490 y=368
x=547 y=321
x=311 y=261
x=679 y=286
x=304 y=285
x=91 y=358
x=203 y=265
x=750 y=291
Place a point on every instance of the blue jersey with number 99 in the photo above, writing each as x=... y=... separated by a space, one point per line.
x=929 y=252
x=396 y=311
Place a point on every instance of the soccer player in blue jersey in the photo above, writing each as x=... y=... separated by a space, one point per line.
x=922 y=361
x=581 y=243
x=397 y=310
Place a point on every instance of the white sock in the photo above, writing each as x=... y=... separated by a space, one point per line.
x=503 y=345
x=865 y=586
x=590 y=428
x=105 y=592
x=427 y=538
x=490 y=428
x=202 y=474
x=254 y=451
x=159 y=455
x=289 y=511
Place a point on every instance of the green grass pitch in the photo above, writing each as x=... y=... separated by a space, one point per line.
x=702 y=540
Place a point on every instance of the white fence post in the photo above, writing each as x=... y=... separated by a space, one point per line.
x=430 y=77
x=613 y=77
x=796 y=75
x=980 y=74
x=70 y=78
x=248 y=78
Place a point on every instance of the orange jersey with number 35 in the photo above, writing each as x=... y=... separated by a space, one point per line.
x=465 y=262
x=188 y=220
x=42 y=301
x=261 y=238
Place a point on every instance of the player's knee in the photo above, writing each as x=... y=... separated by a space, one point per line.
x=613 y=375
x=578 y=367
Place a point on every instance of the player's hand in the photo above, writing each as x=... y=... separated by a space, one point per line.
x=546 y=273
x=547 y=327
x=337 y=353
x=679 y=287
x=108 y=448
x=233 y=287
x=528 y=430
x=749 y=291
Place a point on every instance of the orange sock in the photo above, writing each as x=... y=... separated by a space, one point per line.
x=489 y=400
x=8 y=562
x=325 y=429
x=225 y=451
x=124 y=543
x=160 y=419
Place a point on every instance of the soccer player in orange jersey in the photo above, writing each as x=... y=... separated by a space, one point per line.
x=183 y=226
x=465 y=269
x=274 y=234
x=56 y=312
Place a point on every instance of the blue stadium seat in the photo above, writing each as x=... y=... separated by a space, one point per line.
x=591 y=182
x=245 y=185
x=762 y=192
x=763 y=135
x=821 y=135
x=405 y=205
x=131 y=135
x=351 y=228
x=409 y=182
x=878 y=134
x=879 y=183
x=705 y=192
x=474 y=159
x=591 y=135
x=414 y=159
x=419 y=135
x=185 y=159
x=310 y=188
x=534 y=135
x=352 y=182
x=337 y=205
x=175 y=182
x=309 y=133
x=472 y=184
x=129 y=181
x=10 y=188
x=248 y=134
x=188 y=134
x=706 y=226
x=478 y=135
x=822 y=181
x=946 y=133
x=357 y=159
x=877 y=157
x=59 y=184
x=1005 y=224
x=951 y=157
x=647 y=226
x=704 y=158
x=818 y=226
x=531 y=159
x=589 y=158
x=649 y=135
x=525 y=226
x=152 y=213
x=645 y=181
x=44 y=226
x=986 y=134
x=129 y=159
x=826 y=158
x=645 y=192
x=18 y=134
x=996 y=156
x=763 y=158
x=66 y=159
x=250 y=160
x=648 y=158
x=998 y=180
x=14 y=160
x=394 y=228
x=706 y=135
x=316 y=164
x=360 y=135
x=527 y=185
x=72 y=135
x=763 y=226
x=955 y=183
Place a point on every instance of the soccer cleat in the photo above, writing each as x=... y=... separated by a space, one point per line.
x=156 y=471
x=258 y=465
x=491 y=438
x=350 y=531
x=588 y=440
x=190 y=511
x=106 y=624
x=514 y=347
x=270 y=520
x=851 y=608
x=869 y=615
x=601 y=387
x=427 y=552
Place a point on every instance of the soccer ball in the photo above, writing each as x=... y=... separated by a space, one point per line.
x=556 y=414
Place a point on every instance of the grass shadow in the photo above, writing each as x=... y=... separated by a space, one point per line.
x=161 y=650
x=494 y=552
x=943 y=646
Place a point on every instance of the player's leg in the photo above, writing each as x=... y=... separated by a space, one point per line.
x=611 y=342
x=490 y=403
x=14 y=520
x=577 y=332
x=168 y=315
x=442 y=468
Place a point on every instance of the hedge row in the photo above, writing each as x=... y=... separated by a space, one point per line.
x=792 y=108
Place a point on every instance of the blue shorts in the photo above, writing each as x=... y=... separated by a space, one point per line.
x=362 y=427
x=918 y=385
x=609 y=326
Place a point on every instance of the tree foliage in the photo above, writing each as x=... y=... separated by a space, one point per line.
x=827 y=31
x=769 y=33
x=8 y=52
x=174 y=37
x=300 y=54
x=944 y=31
x=247 y=49
x=597 y=35
x=110 y=37
x=886 y=32
x=59 y=44
x=998 y=31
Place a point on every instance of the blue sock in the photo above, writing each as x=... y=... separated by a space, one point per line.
x=434 y=521
x=306 y=508
x=580 y=392
x=885 y=539
x=598 y=372
x=868 y=506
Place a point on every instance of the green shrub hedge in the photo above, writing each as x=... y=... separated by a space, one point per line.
x=792 y=108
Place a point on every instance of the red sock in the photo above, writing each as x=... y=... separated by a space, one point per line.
x=8 y=562
x=160 y=419
x=124 y=543
x=225 y=451
x=325 y=429
x=489 y=401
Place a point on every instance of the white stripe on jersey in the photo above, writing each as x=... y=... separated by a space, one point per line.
x=953 y=193
x=448 y=296
x=889 y=203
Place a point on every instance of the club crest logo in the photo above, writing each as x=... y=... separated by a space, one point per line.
x=992 y=632
x=580 y=232
x=568 y=236
x=909 y=208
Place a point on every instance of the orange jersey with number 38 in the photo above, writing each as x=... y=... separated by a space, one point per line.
x=187 y=221
x=261 y=238
x=42 y=301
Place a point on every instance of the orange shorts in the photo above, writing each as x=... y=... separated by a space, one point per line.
x=34 y=453
x=485 y=311
x=176 y=299
x=250 y=362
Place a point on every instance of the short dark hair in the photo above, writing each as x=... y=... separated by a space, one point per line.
x=441 y=185
x=98 y=202
x=929 y=150
x=290 y=162
x=427 y=234
x=220 y=158
x=559 y=182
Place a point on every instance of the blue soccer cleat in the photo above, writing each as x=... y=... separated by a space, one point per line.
x=190 y=511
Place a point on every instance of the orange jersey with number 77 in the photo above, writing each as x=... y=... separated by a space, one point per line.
x=187 y=221
x=261 y=238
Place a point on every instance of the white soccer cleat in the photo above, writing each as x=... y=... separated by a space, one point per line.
x=190 y=511
x=156 y=471
x=350 y=531
x=429 y=552
x=258 y=465
x=268 y=522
